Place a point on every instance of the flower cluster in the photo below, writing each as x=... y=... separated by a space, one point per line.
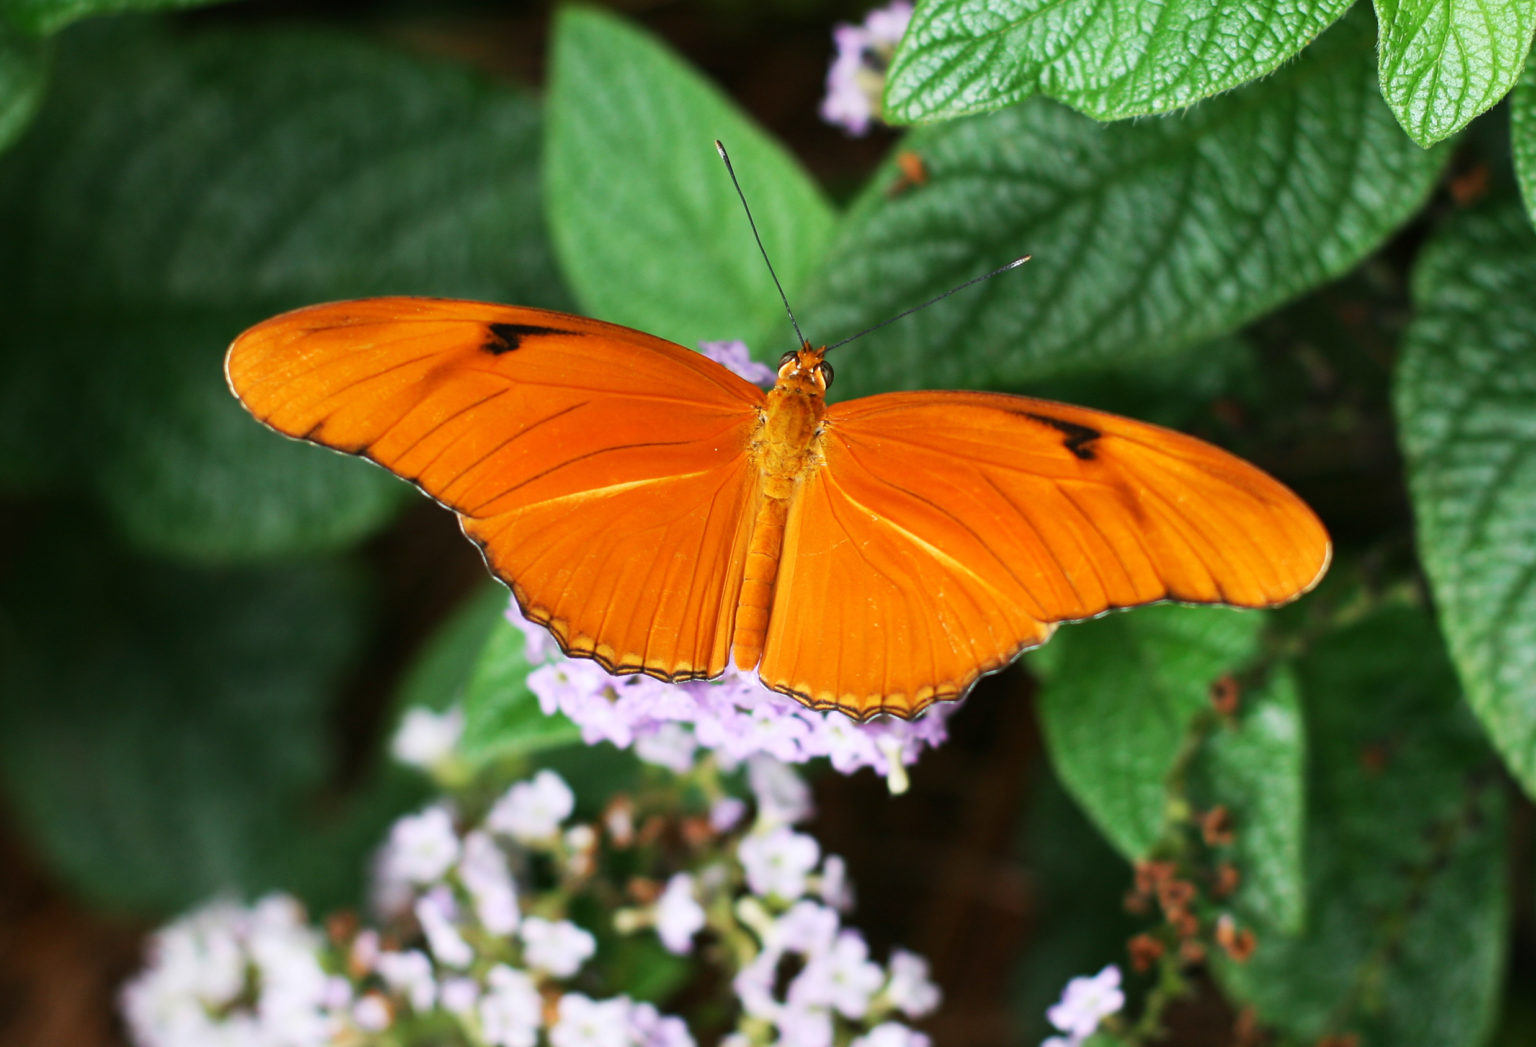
x=478 y=935
x=856 y=79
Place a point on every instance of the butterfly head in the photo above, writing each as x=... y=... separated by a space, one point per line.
x=806 y=365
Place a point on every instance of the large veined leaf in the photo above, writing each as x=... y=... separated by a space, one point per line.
x=1107 y=58
x=1466 y=408
x=1407 y=899
x=1443 y=62
x=174 y=190
x=157 y=718
x=49 y=16
x=1147 y=236
x=1522 y=134
x=649 y=230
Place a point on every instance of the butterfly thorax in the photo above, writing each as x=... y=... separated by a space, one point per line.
x=785 y=450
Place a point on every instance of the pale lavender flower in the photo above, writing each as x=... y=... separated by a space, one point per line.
x=805 y=928
x=804 y=1027
x=727 y=813
x=539 y=644
x=409 y=974
x=650 y=1028
x=842 y=978
x=556 y=946
x=532 y=811
x=778 y=862
x=910 y=990
x=459 y=995
x=511 y=1010
x=426 y=737
x=435 y=911
x=891 y=1034
x=1087 y=1001
x=833 y=885
x=483 y=872
x=584 y=1022
x=856 y=78
x=671 y=745
x=783 y=797
x=371 y=1013
x=422 y=847
x=679 y=916
x=753 y=985
x=737 y=357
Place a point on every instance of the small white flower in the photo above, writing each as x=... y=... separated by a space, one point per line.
x=670 y=745
x=435 y=913
x=557 y=947
x=910 y=990
x=511 y=1010
x=1087 y=1001
x=483 y=871
x=409 y=973
x=726 y=814
x=782 y=796
x=777 y=863
x=650 y=1028
x=532 y=811
x=423 y=847
x=459 y=995
x=754 y=986
x=891 y=1034
x=584 y=1022
x=806 y=928
x=426 y=737
x=805 y=1027
x=834 y=886
x=679 y=916
x=371 y=1013
x=842 y=978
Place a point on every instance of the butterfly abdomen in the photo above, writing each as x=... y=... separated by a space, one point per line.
x=785 y=452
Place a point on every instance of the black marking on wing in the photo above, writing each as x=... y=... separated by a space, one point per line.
x=1079 y=438
x=504 y=338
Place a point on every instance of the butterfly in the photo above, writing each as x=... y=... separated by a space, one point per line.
x=661 y=515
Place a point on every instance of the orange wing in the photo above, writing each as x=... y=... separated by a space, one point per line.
x=602 y=471
x=947 y=532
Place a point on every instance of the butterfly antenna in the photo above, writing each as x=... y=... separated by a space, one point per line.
x=720 y=148
x=938 y=298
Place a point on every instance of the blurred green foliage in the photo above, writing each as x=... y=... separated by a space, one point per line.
x=182 y=593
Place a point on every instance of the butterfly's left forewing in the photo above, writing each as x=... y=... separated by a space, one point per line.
x=946 y=532
x=602 y=471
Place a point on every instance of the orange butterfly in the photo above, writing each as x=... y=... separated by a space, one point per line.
x=663 y=516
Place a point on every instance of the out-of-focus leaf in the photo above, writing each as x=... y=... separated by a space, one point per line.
x=49 y=16
x=649 y=231
x=23 y=77
x=163 y=730
x=1148 y=236
x=176 y=189
x=1107 y=59
x=1443 y=62
x=1406 y=895
x=1117 y=706
x=439 y=677
x=1522 y=134
x=1466 y=409
x=501 y=715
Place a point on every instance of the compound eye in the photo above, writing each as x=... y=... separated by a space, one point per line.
x=788 y=358
x=826 y=373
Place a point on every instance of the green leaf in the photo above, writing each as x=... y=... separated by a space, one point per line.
x=501 y=715
x=649 y=231
x=176 y=189
x=1117 y=707
x=1256 y=768
x=49 y=16
x=23 y=77
x=164 y=731
x=1466 y=407
x=1147 y=237
x=1109 y=60
x=1522 y=134
x=1443 y=62
x=439 y=676
x=1407 y=895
